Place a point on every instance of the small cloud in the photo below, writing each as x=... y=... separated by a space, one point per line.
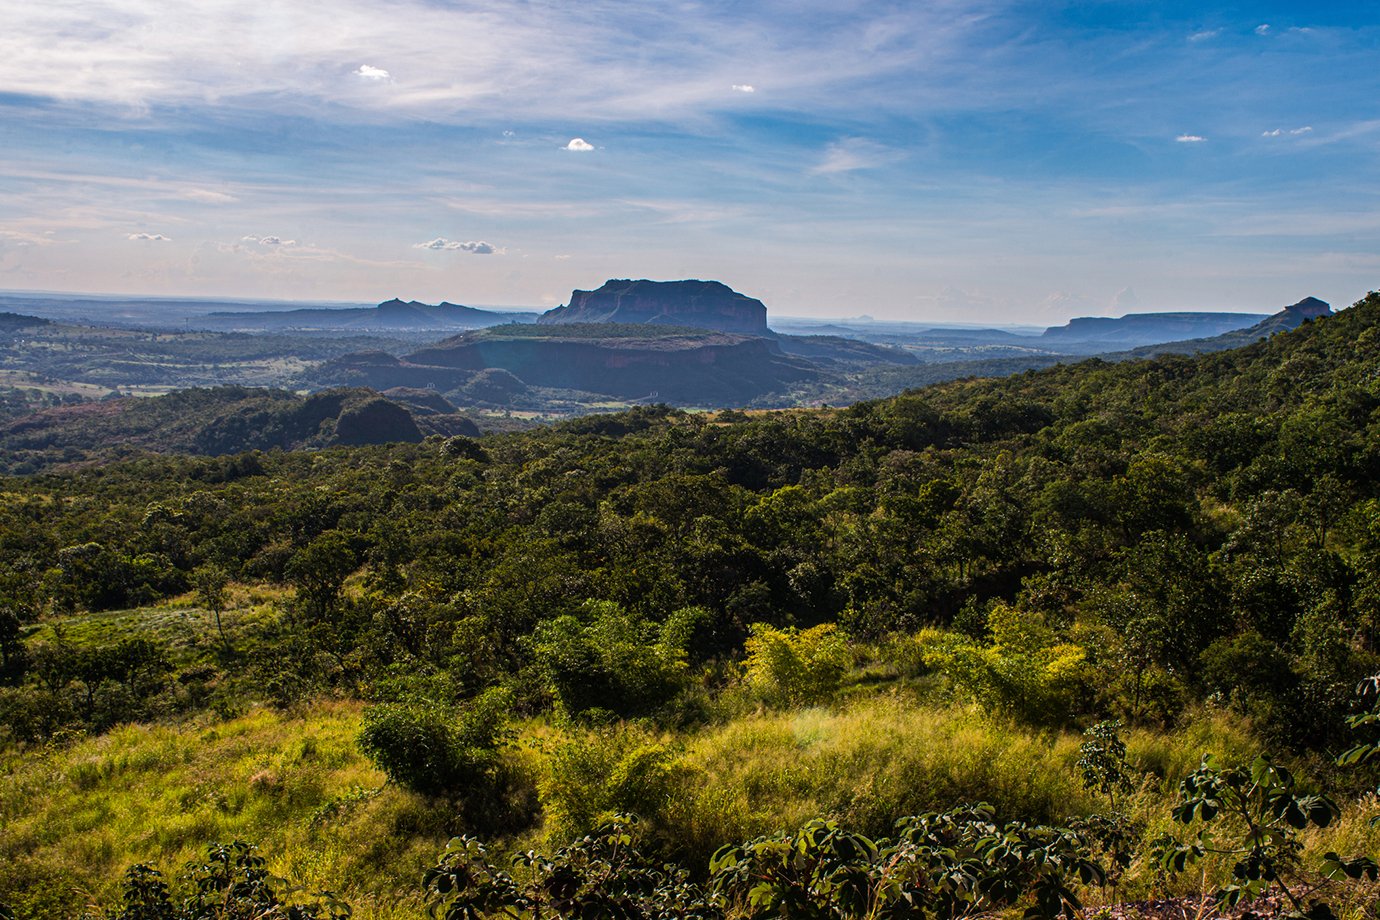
x=1205 y=35
x=509 y=133
x=477 y=247
x=744 y=88
x=579 y=145
x=371 y=73
x=208 y=196
x=1190 y=139
x=154 y=237
x=1277 y=132
x=1263 y=29
x=268 y=240
x=563 y=257
x=1304 y=130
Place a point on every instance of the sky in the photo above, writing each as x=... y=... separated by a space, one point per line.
x=933 y=160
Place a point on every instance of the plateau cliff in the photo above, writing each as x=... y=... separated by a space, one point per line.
x=696 y=304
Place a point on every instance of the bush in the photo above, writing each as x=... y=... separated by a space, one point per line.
x=596 y=775
x=608 y=659
x=434 y=749
x=1026 y=671
x=796 y=667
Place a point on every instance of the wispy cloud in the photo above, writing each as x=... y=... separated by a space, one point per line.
x=579 y=145
x=468 y=57
x=1205 y=35
x=27 y=238
x=477 y=247
x=744 y=88
x=207 y=196
x=854 y=153
x=1263 y=29
x=152 y=237
x=268 y=240
x=1295 y=132
x=1190 y=139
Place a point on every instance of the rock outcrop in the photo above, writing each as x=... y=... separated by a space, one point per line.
x=696 y=304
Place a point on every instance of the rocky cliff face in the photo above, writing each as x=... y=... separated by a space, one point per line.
x=697 y=304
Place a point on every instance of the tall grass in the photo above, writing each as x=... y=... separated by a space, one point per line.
x=72 y=819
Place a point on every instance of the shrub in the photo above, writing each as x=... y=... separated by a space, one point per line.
x=594 y=776
x=609 y=659
x=434 y=749
x=1025 y=672
x=796 y=667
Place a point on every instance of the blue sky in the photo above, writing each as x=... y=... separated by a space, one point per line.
x=957 y=161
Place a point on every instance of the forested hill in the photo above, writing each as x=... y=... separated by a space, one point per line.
x=1157 y=542
x=217 y=421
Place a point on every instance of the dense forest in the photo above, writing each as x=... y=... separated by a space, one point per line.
x=702 y=665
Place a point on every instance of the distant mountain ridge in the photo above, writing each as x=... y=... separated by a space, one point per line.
x=697 y=304
x=390 y=315
x=1146 y=328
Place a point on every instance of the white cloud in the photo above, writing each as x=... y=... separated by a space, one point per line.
x=1125 y=300
x=268 y=240
x=853 y=153
x=579 y=144
x=509 y=133
x=744 y=88
x=1190 y=138
x=154 y=237
x=1263 y=29
x=1306 y=129
x=563 y=257
x=371 y=73
x=1205 y=35
x=1275 y=133
x=477 y=247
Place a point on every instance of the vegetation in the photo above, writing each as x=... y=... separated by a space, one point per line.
x=958 y=651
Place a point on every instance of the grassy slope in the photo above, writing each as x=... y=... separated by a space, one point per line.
x=71 y=819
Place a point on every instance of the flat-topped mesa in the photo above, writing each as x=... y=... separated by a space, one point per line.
x=698 y=304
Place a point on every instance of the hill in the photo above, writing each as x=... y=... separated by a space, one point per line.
x=215 y=421
x=1291 y=317
x=696 y=304
x=665 y=363
x=13 y=322
x=728 y=624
